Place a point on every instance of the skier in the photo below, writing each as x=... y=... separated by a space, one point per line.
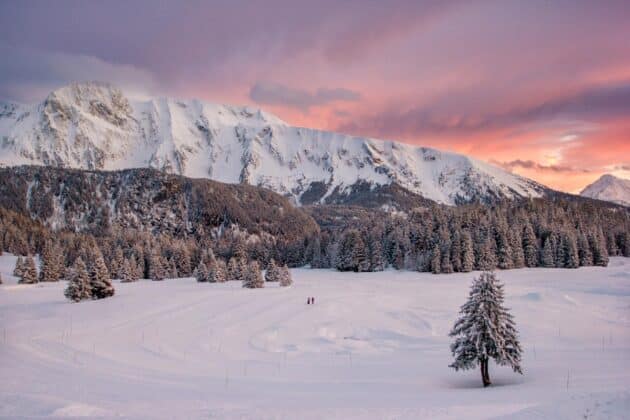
x=308 y=301
x=312 y=301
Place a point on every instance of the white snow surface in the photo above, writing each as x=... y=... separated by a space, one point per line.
x=96 y=126
x=374 y=345
x=609 y=188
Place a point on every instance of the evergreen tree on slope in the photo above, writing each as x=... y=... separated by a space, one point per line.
x=468 y=253
x=485 y=330
x=28 y=273
x=253 y=278
x=100 y=283
x=201 y=273
x=272 y=273
x=78 y=288
x=51 y=267
x=530 y=246
x=218 y=273
x=19 y=266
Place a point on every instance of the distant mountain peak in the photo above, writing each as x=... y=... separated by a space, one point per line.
x=609 y=188
x=94 y=125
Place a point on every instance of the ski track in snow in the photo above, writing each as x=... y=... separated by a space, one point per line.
x=375 y=345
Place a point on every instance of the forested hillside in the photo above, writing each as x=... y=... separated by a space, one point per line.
x=151 y=219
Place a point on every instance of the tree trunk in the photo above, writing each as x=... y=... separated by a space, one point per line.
x=485 y=376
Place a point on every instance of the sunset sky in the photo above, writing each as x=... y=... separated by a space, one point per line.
x=541 y=88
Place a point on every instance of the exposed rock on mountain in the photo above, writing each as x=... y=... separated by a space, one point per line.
x=98 y=127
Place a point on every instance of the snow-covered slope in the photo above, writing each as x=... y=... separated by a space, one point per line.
x=609 y=188
x=374 y=346
x=96 y=126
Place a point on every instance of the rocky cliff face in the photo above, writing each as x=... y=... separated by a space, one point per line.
x=96 y=126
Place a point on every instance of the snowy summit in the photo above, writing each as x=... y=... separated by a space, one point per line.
x=609 y=188
x=97 y=126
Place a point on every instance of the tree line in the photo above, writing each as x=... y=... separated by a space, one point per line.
x=441 y=239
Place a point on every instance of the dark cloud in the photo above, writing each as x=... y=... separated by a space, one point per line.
x=27 y=75
x=593 y=103
x=197 y=38
x=622 y=167
x=277 y=94
x=530 y=164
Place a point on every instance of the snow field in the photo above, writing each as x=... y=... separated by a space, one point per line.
x=375 y=345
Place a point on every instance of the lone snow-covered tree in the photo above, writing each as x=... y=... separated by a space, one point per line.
x=79 y=285
x=28 y=273
x=485 y=330
x=100 y=283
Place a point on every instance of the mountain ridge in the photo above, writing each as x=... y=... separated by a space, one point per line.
x=96 y=126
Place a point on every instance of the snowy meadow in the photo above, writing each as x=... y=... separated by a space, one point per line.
x=374 y=345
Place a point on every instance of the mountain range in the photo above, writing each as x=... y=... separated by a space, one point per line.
x=96 y=126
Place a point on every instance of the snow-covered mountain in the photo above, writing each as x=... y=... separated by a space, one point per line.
x=609 y=188
x=97 y=126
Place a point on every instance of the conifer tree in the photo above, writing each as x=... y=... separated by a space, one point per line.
x=172 y=269
x=352 y=254
x=485 y=330
x=487 y=256
x=446 y=266
x=201 y=273
x=182 y=258
x=209 y=258
x=28 y=271
x=50 y=267
x=157 y=271
x=253 y=278
x=569 y=251
x=100 y=283
x=272 y=273
x=19 y=265
x=530 y=246
x=504 y=251
x=547 y=257
x=126 y=273
x=218 y=273
x=78 y=288
x=233 y=271
x=436 y=260
x=598 y=248
x=516 y=244
x=584 y=250
x=313 y=252
x=117 y=263
x=456 y=252
x=137 y=272
x=377 y=260
x=285 y=276
x=468 y=253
